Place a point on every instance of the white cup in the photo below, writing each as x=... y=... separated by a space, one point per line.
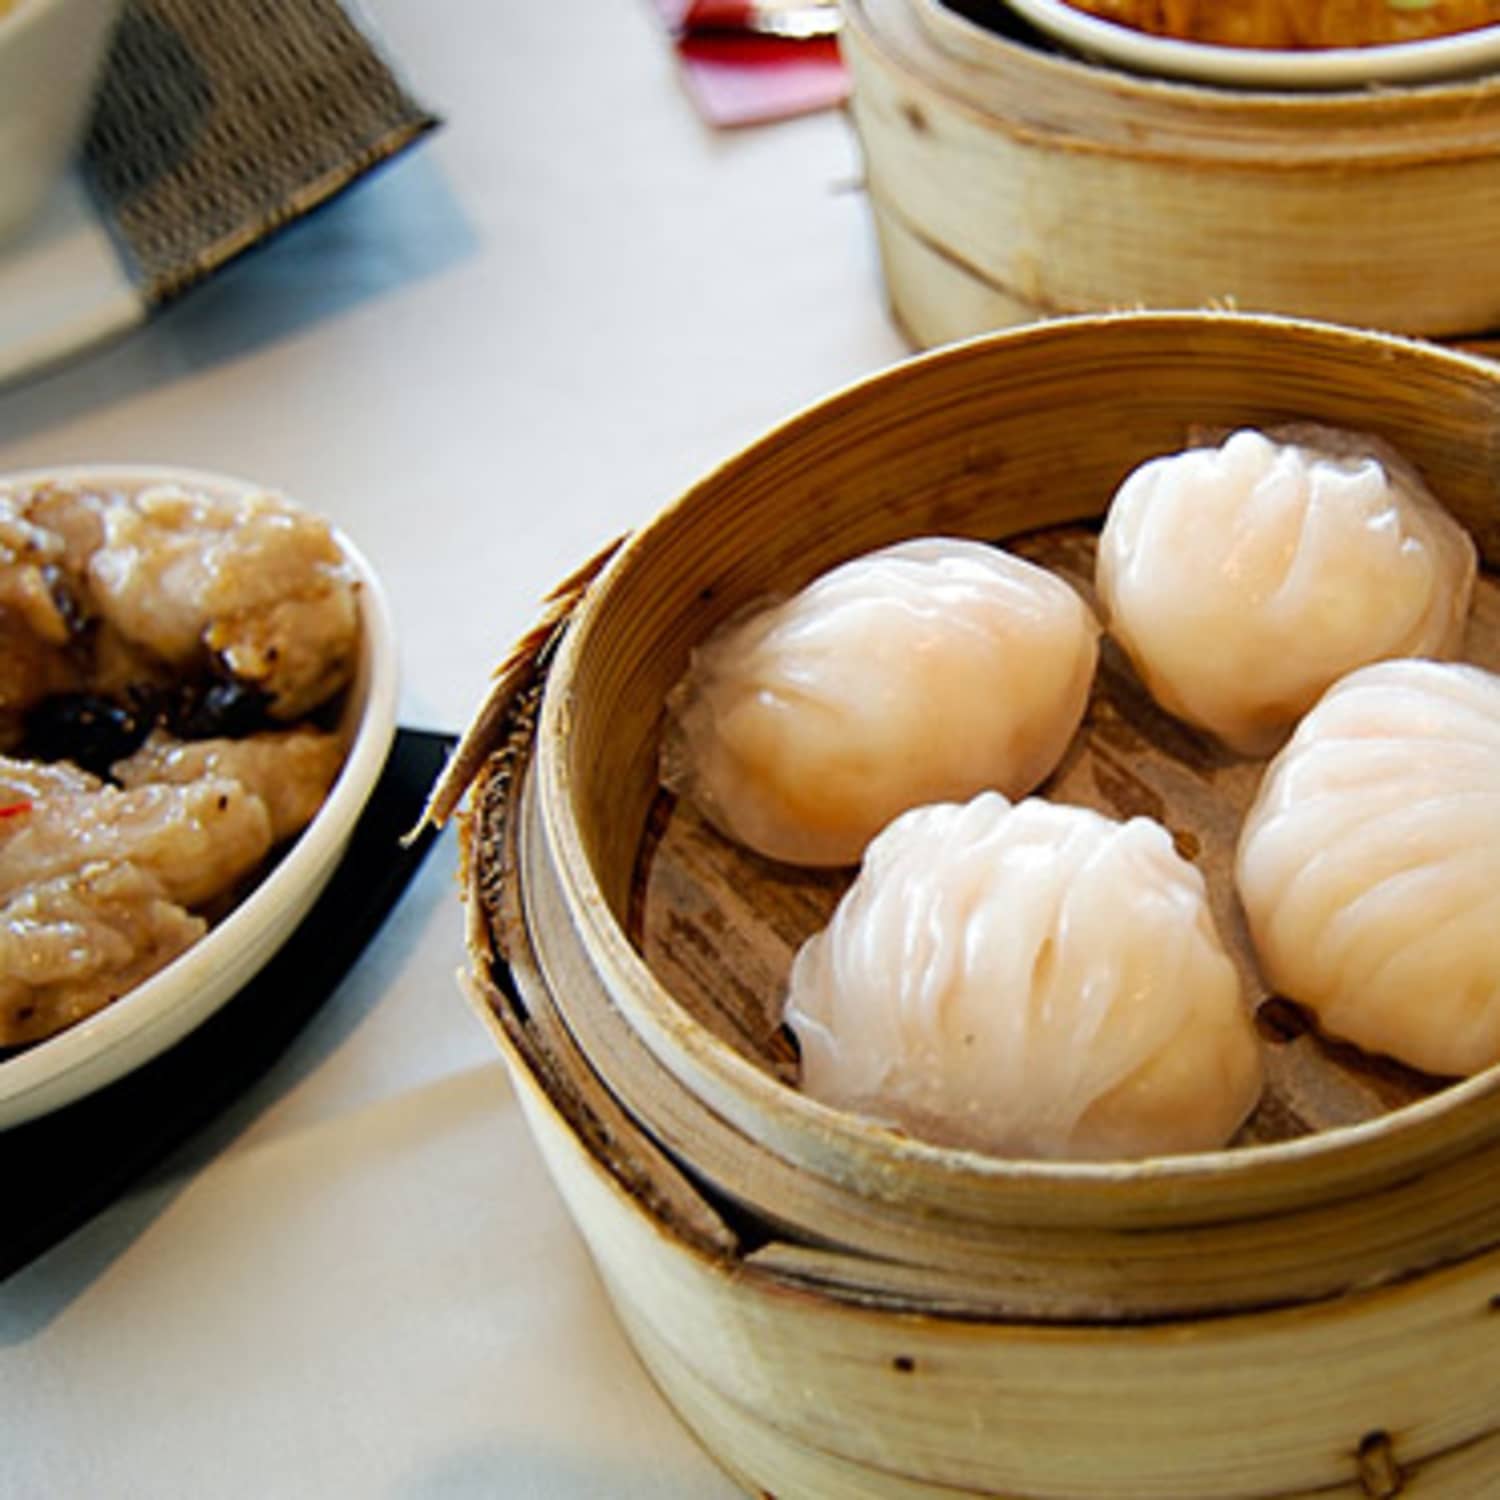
x=50 y=55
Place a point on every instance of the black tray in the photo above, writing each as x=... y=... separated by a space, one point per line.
x=58 y=1171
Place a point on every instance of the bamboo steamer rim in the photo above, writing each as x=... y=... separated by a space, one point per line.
x=1291 y=1401
x=1082 y=105
x=694 y=1055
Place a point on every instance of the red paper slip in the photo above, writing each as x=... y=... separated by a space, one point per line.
x=746 y=62
x=748 y=80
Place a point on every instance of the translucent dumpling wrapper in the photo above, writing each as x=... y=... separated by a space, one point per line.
x=1243 y=579
x=1369 y=865
x=1027 y=980
x=923 y=672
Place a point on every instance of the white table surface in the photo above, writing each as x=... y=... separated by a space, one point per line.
x=509 y=346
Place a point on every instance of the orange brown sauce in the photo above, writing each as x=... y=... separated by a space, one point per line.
x=1296 y=24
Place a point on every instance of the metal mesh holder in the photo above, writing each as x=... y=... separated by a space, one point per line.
x=218 y=122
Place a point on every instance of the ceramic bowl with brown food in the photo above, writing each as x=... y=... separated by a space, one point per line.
x=51 y=55
x=1294 y=24
x=1281 y=46
x=197 y=688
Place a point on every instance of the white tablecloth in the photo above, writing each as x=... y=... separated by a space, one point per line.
x=506 y=348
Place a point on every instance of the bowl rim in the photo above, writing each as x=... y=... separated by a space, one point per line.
x=671 y=1030
x=1451 y=55
x=163 y=1008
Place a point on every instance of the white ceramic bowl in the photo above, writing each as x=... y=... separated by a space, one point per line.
x=1463 y=54
x=161 y=1011
x=50 y=55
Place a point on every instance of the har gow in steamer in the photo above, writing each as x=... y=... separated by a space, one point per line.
x=1028 y=980
x=926 y=671
x=1243 y=579
x=1369 y=864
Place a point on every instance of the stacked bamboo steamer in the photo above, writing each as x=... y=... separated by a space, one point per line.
x=839 y=1310
x=1009 y=182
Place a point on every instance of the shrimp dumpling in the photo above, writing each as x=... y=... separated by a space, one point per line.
x=1027 y=980
x=926 y=671
x=1243 y=579
x=1369 y=864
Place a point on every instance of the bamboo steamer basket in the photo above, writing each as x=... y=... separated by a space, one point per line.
x=836 y=1309
x=1010 y=182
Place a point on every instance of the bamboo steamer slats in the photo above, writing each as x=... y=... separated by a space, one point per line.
x=837 y=1309
x=1008 y=182
x=1035 y=1260
x=967 y=443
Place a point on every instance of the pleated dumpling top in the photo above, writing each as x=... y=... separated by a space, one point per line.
x=1028 y=980
x=1243 y=579
x=925 y=671
x=1369 y=864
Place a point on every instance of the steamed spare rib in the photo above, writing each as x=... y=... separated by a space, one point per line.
x=259 y=584
x=71 y=945
x=289 y=770
x=159 y=655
